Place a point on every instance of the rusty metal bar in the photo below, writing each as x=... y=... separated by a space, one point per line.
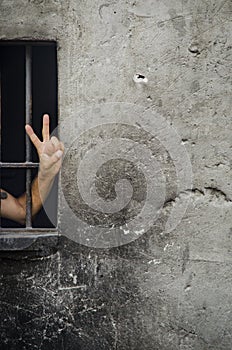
x=28 y=121
x=19 y=165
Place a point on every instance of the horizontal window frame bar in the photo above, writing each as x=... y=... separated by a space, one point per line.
x=28 y=233
x=27 y=229
x=27 y=43
x=27 y=165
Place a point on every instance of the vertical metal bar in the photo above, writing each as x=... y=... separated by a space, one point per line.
x=0 y=134
x=28 y=121
x=0 y=113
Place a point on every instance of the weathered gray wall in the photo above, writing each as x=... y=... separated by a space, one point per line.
x=161 y=291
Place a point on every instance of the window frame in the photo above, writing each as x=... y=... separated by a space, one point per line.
x=28 y=232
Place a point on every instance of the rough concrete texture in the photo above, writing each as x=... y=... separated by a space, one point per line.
x=163 y=291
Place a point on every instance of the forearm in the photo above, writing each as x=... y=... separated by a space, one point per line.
x=40 y=189
x=15 y=208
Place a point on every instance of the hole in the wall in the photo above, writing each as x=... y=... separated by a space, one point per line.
x=140 y=78
x=194 y=49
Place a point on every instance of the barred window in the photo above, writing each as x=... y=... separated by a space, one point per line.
x=28 y=89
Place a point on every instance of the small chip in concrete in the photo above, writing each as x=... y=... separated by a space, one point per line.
x=193 y=48
x=139 y=78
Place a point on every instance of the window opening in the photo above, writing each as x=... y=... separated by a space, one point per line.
x=28 y=89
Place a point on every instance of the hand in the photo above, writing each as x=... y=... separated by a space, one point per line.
x=50 y=151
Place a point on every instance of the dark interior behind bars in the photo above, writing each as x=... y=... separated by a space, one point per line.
x=13 y=104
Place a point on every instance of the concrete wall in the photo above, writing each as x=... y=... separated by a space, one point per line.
x=167 y=289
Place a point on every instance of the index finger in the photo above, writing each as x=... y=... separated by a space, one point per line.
x=45 y=131
x=34 y=139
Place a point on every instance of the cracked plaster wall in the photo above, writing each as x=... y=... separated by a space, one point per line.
x=161 y=291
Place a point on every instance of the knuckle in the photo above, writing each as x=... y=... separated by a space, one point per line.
x=54 y=139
